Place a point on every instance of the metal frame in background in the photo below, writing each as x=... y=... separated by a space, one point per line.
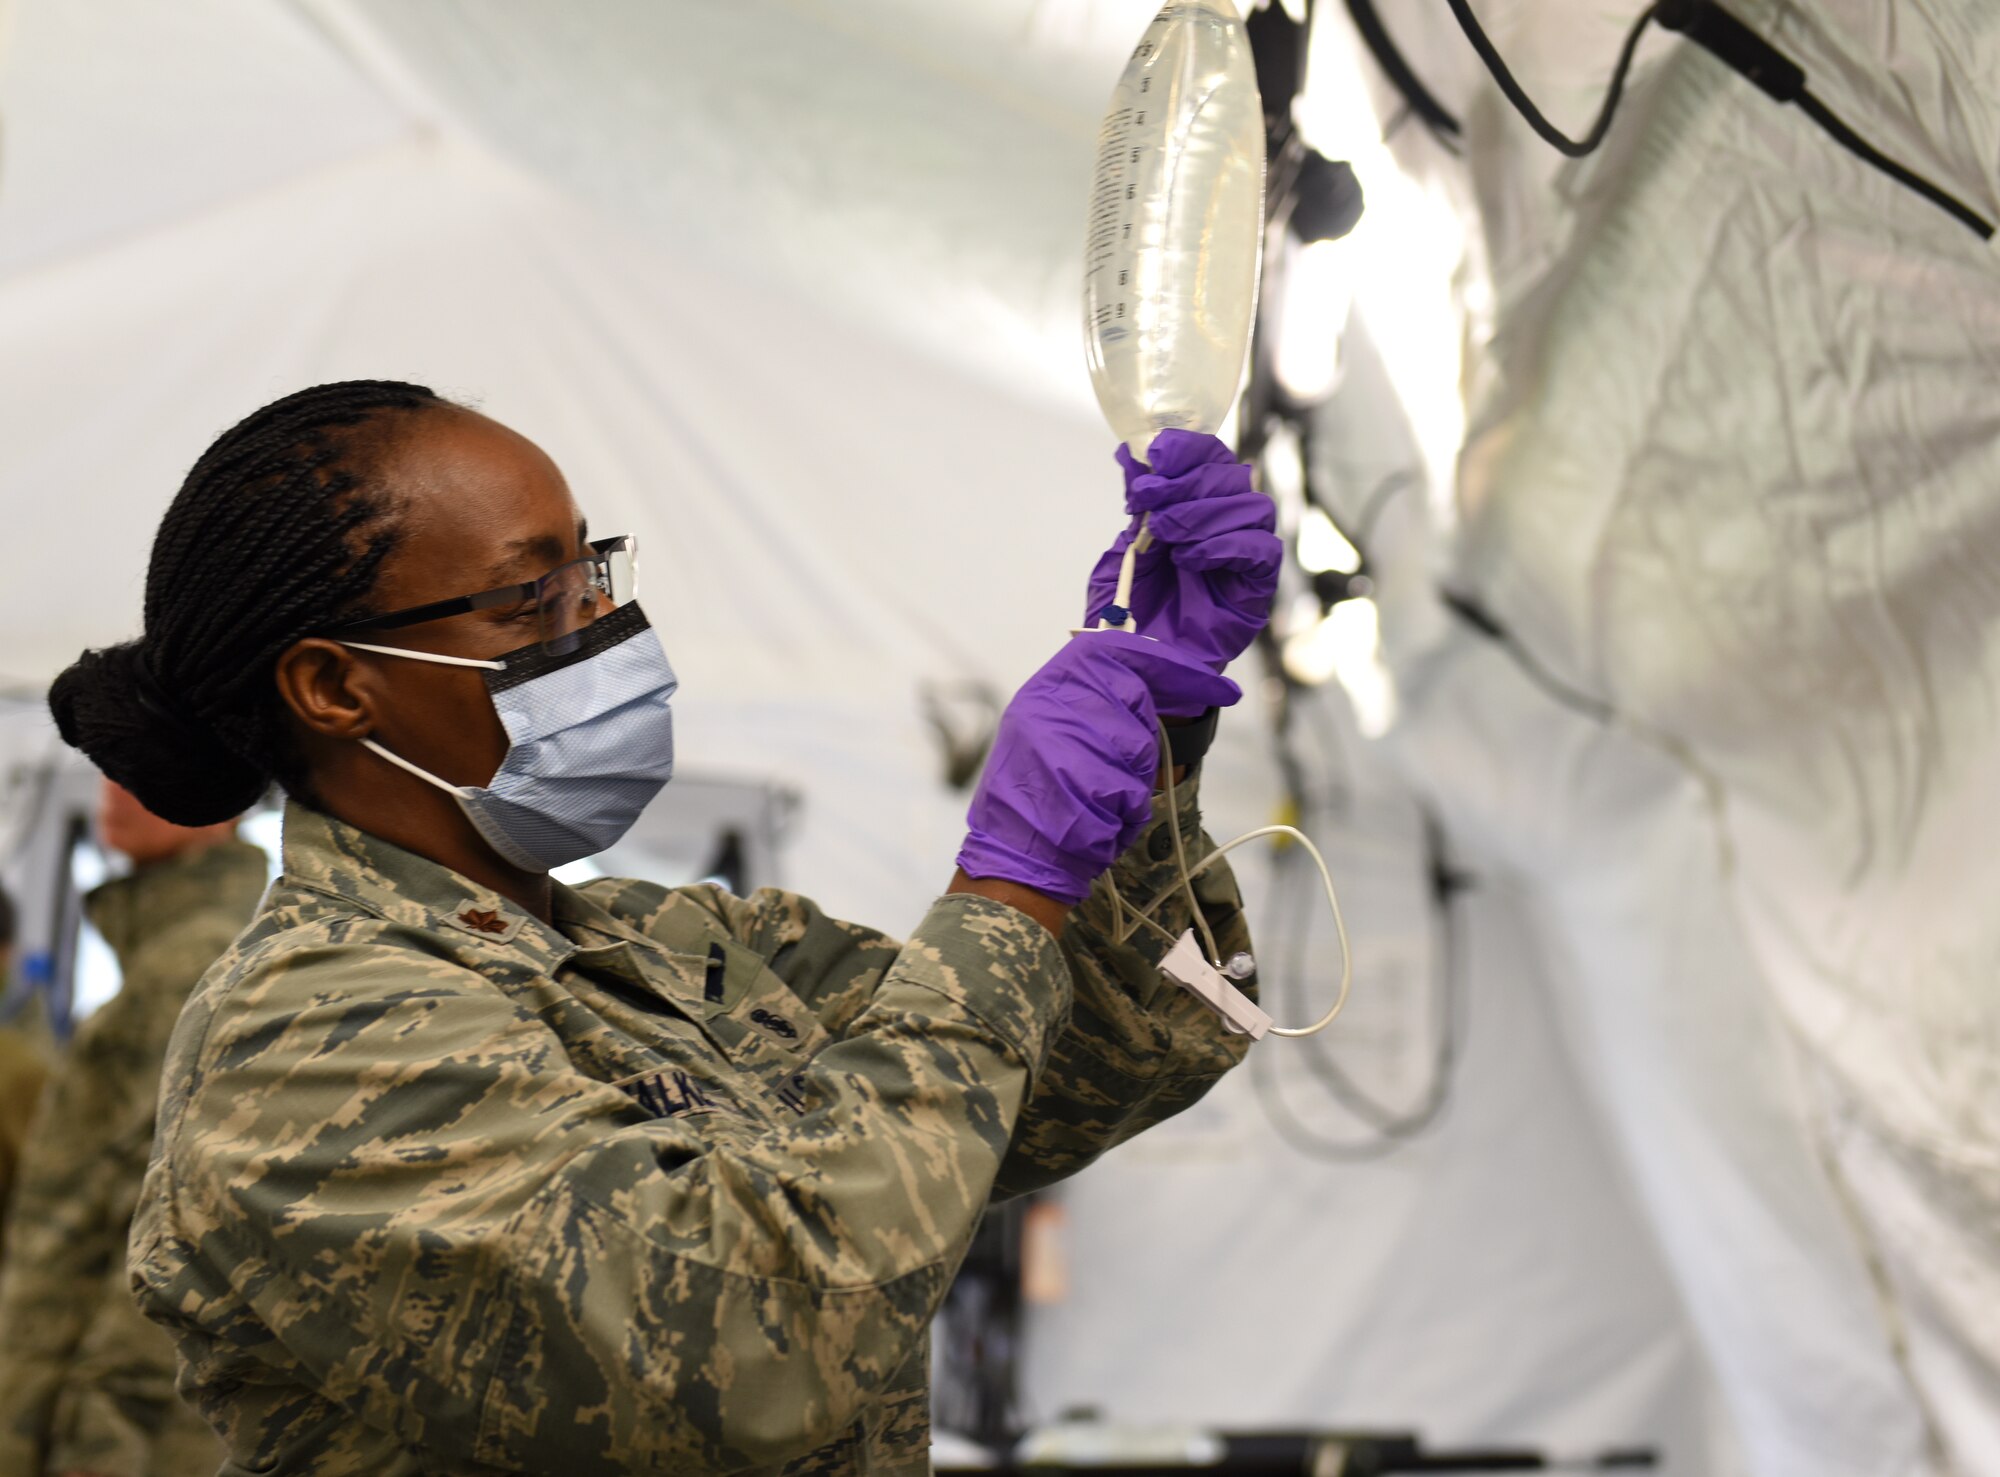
x=700 y=826
x=51 y=802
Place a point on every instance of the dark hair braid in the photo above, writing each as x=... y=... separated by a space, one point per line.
x=278 y=532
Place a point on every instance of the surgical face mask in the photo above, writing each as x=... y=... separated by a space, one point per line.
x=590 y=741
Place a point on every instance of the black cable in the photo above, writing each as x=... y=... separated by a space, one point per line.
x=1304 y=1140
x=1783 y=80
x=1281 y=177
x=1293 y=894
x=1711 y=27
x=1848 y=139
x=1524 y=105
x=1389 y=57
x=1283 y=692
x=1337 y=794
x=1386 y=1121
x=1372 y=509
x=1476 y=616
x=1392 y=1125
x=977 y=1378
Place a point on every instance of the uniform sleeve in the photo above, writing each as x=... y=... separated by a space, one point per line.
x=390 y=1167
x=84 y=1382
x=116 y=1413
x=22 y=1076
x=1138 y=1048
x=65 y=1236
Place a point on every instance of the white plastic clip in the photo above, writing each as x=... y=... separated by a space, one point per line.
x=1186 y=968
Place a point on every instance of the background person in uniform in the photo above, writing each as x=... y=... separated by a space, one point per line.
x=463 y=1170
x=22 y=1072
x=86 y=1382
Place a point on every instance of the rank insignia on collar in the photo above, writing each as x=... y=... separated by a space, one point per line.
x=486 y=922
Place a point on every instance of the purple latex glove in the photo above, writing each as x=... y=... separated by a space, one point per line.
x=1069 y=783
x=1207 y=583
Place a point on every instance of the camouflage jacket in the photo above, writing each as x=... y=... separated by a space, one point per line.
x=86 y=1384
x=22 y=1073
x=674 y=1185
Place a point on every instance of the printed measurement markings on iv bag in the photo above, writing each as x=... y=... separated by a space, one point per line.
x=1118 y=195
x=1110 y=218
x=1120 y=161
x=1111 y=221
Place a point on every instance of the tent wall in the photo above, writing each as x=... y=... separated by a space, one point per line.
x=1731 y=471
x=805 y=326
x=1492 y=1280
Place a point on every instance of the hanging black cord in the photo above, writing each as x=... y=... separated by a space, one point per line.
x=1783 y=80
x=1858 y=146
x=1390 y=1131
x=1389 y=1123
x=1288 y=929
x=1389 y=57
x=1476 y=616
x=1734 y=44
x=1363 y=533
x=1524 y=105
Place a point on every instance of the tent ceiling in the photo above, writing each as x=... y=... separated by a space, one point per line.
x=124 y=115
x=1733 y=470
x=918 y=168
x=922 y=168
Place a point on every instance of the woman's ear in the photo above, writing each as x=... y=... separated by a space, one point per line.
x=327 y=689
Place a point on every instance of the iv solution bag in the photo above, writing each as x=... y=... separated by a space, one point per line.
x=1176 y=227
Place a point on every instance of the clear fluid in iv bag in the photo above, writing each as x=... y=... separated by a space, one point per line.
x=1176 y=227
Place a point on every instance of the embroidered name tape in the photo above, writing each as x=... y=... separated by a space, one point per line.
x=671 y=1095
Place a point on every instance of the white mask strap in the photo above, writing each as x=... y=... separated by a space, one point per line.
x=401 y=763
x=428 y=656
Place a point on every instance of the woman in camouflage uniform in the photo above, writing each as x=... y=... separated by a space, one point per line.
x=86 y=1384
x=461 y=1170
x=22 y=1073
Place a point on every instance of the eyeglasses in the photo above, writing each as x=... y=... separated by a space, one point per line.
x=565 y=600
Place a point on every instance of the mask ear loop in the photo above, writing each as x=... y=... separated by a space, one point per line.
x=421 y=656
x=416 y=769
x=429 y=656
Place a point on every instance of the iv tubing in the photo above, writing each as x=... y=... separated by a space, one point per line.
x=1188 y=874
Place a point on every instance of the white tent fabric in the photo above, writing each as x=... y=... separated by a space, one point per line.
x=1493 y=1281
x=788 y=289
x=1733 y=453
x=830 y=515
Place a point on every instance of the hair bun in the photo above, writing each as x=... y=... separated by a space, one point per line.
x=175 y=768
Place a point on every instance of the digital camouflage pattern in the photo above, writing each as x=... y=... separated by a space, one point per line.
x=672 y=1186
x=86 y=1383
x=22 y=1073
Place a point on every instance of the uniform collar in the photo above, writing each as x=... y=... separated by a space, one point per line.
x=589 y=922
x=230 y=873
x=607 y=943
x=326 y=855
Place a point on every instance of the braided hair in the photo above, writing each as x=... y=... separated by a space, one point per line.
x=278 y=532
